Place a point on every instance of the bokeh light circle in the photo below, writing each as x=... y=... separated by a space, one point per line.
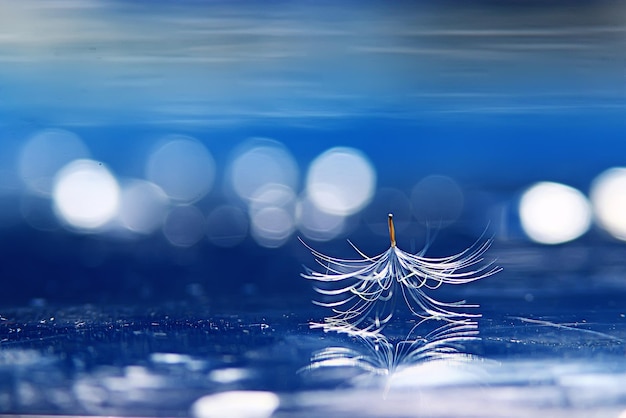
x=341 y=181
x=553 y=213
x=44 y=154
x=437 y=201
x=227 y=226
x=143 y=206
x=316 y=224
x=272 y=195
x=608 y=197
x=260 y=162
x=271 y=226
x=183 y=168
x=271 y=209
x=86 y=195
x=184 y=226
x=236 y=404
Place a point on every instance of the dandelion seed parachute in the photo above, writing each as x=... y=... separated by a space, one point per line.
x=383 y=356
x=363 y=291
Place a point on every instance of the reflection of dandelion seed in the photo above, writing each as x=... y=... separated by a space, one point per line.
x=369 y=286
x=385 y=357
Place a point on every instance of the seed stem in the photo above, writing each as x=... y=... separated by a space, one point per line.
x=392 y=230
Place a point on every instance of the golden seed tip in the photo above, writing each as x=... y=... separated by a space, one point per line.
x=392 y=231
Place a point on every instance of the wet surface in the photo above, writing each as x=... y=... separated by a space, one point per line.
x=560 y=356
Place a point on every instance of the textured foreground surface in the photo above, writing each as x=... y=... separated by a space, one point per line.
x=540 y=354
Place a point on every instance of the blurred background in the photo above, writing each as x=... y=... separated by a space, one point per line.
x=157 y=151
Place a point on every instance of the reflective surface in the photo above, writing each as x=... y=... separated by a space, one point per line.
x=542 y=350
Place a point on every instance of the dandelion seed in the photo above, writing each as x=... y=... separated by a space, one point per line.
x=363 y=291
x=382 y=356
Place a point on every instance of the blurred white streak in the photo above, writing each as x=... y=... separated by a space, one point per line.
x=525 y=32
x=86 y=52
